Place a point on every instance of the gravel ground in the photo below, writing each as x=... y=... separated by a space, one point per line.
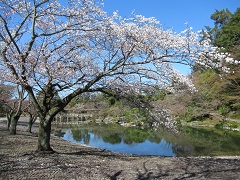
x=18 y=160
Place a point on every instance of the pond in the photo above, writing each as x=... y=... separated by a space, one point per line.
x=132 y=140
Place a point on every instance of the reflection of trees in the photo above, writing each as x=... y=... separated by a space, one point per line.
x=113 y=138
x=155 y=138
x=81 y=135
x=135 y=135
x=114 y=134
x=191 y=141
x=209 y=141
x=109 y=133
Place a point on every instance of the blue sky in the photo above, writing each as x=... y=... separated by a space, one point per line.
x=173 y=13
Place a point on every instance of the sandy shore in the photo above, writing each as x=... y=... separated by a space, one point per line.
x=18 y=160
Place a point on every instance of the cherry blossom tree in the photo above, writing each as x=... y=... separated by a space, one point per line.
x=74 y=47
x=15 y=109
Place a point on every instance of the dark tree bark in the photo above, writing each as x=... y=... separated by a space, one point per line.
x=9 y=116
x=32 y=119
x=44 y=136
x=14 y=121
x=16 y=110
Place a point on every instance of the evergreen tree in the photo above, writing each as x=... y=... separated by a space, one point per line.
x=226 y=31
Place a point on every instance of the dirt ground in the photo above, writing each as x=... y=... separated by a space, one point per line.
x=18 y=160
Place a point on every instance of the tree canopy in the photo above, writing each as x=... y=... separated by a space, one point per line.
x=74 y=47
x=226 y=31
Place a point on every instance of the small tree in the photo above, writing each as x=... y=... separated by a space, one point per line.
x=32 y=115
x=11 y=106
x=6 y=93
x=75 y=48
x=15 y=109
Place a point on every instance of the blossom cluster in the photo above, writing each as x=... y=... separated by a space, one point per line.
x=163 y=118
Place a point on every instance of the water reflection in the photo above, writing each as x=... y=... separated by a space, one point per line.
x=123 y=140
x=81 y=135
x=190 y=142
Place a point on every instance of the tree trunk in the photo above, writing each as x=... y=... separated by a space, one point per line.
x=32 y=119
x=8 y=121
x=14 y=121
x=29 y=128
x=44 y=136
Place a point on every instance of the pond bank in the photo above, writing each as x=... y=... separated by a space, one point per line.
x=18 y=160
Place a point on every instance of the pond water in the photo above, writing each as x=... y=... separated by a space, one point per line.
x=132 y=140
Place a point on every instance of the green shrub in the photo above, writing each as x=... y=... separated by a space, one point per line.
x=224 y=110
x=111 y=101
